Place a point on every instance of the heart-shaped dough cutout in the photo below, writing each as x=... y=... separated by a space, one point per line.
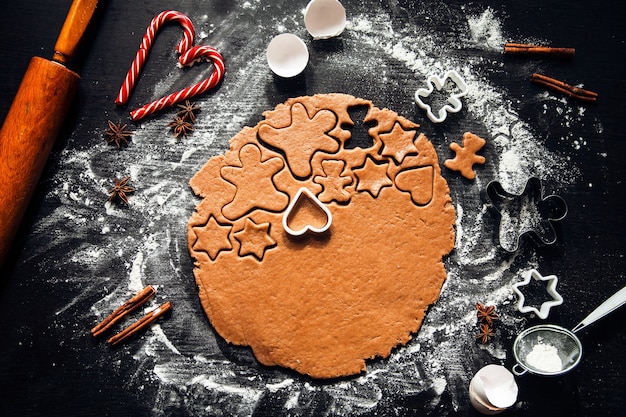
x=306 y=213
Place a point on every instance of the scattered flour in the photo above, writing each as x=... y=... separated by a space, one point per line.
x=146 y=242
x=485 y=31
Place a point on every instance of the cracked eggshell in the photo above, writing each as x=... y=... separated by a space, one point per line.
x=481 y=405
x=287 y=55
x=324 y=18
x=493 y=390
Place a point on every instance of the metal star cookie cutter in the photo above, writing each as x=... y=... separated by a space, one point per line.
x=453 y=103
x=544 y=310
x=528 y=214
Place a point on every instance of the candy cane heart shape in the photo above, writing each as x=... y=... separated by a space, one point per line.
x=148 y=39
x=195 y=54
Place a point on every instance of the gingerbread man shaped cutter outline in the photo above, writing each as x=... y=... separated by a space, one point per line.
x=550 y=208
x=453 y=105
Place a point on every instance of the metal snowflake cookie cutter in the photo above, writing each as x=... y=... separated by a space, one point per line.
x=302 y=195
x=528 y=213
x=453 y=103
x=544 y=310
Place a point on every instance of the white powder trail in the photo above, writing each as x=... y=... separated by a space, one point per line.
x=201 y=381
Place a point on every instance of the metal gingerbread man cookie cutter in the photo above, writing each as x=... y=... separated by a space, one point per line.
x=528 y=214
x=453 y=103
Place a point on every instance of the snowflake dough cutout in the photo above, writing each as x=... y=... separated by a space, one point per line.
x=453 y=103
x=544 y=310
x=466 y=156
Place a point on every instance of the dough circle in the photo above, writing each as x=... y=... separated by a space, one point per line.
x=322 y=303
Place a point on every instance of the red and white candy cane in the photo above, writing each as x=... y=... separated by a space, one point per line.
x=197 y=53
x=140 y=58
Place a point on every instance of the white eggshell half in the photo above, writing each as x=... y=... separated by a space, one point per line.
x=499 y=386
x=480 y=403
x=324 y=18
x=287 y=55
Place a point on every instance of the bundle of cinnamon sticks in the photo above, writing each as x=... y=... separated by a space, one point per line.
x=129 y=306
x=549 y=82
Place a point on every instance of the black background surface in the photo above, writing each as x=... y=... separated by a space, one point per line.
x=51 y=366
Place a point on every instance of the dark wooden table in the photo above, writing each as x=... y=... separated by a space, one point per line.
x=77 y=257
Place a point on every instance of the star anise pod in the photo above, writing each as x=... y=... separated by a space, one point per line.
x=188 y=111
x=486 y=314
x=117 y=133
x=180 y=126
x=121 y=190
x=486 y=333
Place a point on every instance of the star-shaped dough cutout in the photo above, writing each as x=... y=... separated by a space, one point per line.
x=372 y=177
x=544 y=310
x=212 y=238
x=302 y=138
x=254 y=239
x=466 y=155
x=398 y=143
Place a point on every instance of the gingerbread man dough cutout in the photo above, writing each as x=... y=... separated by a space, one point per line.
x=466 y=155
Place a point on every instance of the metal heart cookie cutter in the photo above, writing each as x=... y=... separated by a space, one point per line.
x=528 y=213
x=544 y=310
x=456 y=88
x=298 y=202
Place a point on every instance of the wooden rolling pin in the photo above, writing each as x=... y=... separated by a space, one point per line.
x=34 y=120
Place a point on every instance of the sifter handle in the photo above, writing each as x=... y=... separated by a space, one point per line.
x=612 y=303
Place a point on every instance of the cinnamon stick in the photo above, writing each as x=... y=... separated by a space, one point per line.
x=564 y=88
x=124 y=309
x=529 y=49
x=140 y=324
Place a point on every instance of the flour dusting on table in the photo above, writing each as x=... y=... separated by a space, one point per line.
x=126 y=248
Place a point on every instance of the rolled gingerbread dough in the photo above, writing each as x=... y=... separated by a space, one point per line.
x=322 y=303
